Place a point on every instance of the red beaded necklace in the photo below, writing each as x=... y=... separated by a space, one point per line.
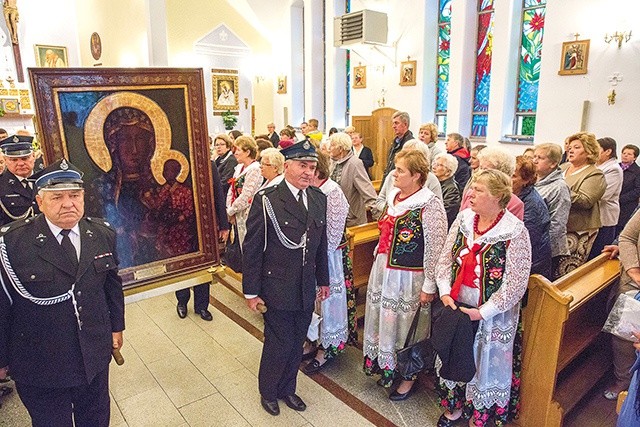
x=476 y=219
x=399 y=199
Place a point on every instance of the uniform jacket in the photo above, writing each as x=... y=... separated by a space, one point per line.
x=44 y=346
x=280 y=276
x=15 y=197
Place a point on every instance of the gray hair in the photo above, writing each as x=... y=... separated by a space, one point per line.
x=449 y=160
x=416 y=144
x=403 y=116
x=499 y=160
x=274 y=157
x=342 y=141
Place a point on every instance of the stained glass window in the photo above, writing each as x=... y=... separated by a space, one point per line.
x=444 y=51
x=483 y=68
x=533 y=14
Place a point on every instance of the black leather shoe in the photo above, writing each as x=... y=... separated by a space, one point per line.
x=271 y=406
x=294 y=402
x=314 y=367
x=396 y=397
x=205 y=315
x=182 y=311
x=310 y=355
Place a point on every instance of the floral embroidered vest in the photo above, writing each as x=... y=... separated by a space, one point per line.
x=407 y=244
x=492 y=262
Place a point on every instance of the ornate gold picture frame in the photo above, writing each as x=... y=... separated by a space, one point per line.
x=140 y=137
x=282 y=84
x=360 y=77
x=51 y=56
x=408 y=73
x=574 y=58
x=225 y=90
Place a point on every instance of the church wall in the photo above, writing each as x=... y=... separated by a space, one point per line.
x=189 y=21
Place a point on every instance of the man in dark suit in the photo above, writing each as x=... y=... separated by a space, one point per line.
x=201 y=292
x=285 y=267
x=400 y=123
x=273 y=135
x=61 y=305
x=17 y=196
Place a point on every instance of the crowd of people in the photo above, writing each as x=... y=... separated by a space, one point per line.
x=462 y=227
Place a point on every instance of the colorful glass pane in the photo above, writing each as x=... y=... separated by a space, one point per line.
x=530 y=59
x=534 y=3
x=483 y=68
x=528 y=125
x=444 y=37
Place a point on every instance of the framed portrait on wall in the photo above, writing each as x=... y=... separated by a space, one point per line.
x=360 y=77
x=282 y=84
x=139 y=135
x=574 y=59
x=51 y=56
x=225 y=90
x=408 y=73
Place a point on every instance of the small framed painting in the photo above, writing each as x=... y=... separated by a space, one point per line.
x=225 y=90
x=408 y=73
x=282 y=84
x=51 y=56
x=575 y=55
x=360 y=77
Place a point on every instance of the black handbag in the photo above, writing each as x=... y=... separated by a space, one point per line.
x=415 y=357
x=233 y=251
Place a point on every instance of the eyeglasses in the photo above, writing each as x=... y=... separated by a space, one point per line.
x=265 y=164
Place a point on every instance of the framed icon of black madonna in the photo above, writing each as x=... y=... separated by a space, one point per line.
x=140 y=137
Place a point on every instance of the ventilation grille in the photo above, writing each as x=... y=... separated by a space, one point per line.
x=364 y=26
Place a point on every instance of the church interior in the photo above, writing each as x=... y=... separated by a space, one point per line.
x=507 y=73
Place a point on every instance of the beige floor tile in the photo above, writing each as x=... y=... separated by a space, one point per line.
x=151 y=408
x=210 y=358
x=212 y=410
x=231 y=336
x=116 y=415
x=251 y=361
x=152 y=344
x=240 y=389
x=131 y=378
x=181 y=380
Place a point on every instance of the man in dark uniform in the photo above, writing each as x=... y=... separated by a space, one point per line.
x=201 y=292
x=286 y=270
x=17 y=196
x=61 y=305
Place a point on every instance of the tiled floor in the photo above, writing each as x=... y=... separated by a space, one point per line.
x=195 y=373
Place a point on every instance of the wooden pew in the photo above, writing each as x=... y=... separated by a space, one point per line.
x=565 y=352
x=362 y=240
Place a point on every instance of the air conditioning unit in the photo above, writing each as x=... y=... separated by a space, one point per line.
x=364 y=26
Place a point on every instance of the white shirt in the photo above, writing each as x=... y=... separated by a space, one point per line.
x=74 y=235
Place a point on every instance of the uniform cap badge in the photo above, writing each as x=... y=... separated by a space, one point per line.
x=306 y=145
x=63 y=165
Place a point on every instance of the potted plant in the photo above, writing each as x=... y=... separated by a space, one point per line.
x=229 y=120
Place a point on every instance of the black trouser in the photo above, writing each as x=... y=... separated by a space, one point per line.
x=284 y=335
x=87 y=405
x=200 y=296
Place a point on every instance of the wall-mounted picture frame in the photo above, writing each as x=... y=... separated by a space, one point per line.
x=360 y=77
x=574 y=58
x=408 y=73
x=95 y=44
x=51 y=56
x=225 y=90
x=282 y=84
x=140 y=137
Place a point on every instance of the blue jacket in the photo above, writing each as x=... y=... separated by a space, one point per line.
x=537 y=221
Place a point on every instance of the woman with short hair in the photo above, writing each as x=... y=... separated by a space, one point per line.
x=483 y=273
x=444 y=167
x=429 y=135
x=412 y=232
x=225 y=160
x=271 y=167
x=587 y=185
x=244 y=184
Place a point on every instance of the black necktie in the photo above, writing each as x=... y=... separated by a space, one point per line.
x=301 y=201
x=26 y=184
x=69 y=248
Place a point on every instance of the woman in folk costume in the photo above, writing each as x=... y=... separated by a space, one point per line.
x=333 y=327
x=246 y=180
x=413 y=230
x=485 y=264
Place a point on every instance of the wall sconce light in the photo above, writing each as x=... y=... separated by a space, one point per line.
x=618 y=37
